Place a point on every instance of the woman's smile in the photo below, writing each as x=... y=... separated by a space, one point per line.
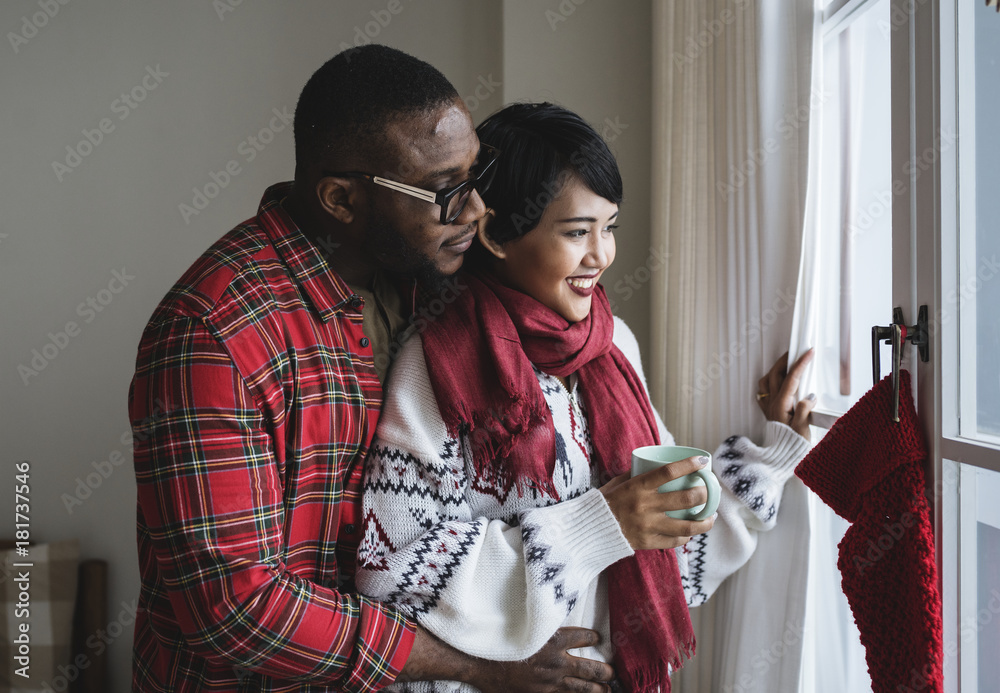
x=560 y=261
x=583 y=285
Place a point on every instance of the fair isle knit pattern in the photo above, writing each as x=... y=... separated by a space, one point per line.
x=494 y=573
x=438 y=540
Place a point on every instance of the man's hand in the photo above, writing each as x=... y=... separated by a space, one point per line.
x=776 y=394
x=550 y=670
x=639 y=507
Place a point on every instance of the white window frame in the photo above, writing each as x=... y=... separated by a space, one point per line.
x=934 y=253
x=932 y=226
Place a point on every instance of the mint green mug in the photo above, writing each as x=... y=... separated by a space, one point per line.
x=651 y=457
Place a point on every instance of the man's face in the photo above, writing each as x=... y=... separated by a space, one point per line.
x=432 y=151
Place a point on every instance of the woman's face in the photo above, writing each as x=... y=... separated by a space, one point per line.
x=560 y=261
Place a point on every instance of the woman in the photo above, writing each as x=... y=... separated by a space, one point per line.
x=497 y=502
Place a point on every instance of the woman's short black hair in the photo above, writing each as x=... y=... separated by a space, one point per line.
x=345 y=105
x=541 y=146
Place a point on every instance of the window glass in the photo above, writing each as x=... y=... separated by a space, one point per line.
x=988 y=604
x=855 y=195
x=985 y=281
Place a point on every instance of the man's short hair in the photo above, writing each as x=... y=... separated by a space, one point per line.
x=344 y=107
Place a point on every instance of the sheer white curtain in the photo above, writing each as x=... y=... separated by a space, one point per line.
x=732 y=106
x=844 y=169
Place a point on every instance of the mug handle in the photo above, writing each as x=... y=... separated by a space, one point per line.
x=714 y=494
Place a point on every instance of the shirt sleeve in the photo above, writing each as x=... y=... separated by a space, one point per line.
x=211 y=500
x=487 y=587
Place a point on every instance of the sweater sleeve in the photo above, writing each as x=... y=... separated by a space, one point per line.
x=487 y=587
x=752 y=479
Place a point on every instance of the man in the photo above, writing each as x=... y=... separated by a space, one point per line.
x=256 y=394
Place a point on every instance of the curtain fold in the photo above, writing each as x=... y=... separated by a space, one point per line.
x=834 y=660
x=732 y=104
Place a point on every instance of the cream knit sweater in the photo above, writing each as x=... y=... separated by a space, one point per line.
x=495 y=574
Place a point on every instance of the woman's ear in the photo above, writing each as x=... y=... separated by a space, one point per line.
x=337 y=197
x=484 y=237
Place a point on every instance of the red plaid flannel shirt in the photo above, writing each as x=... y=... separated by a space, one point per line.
x=252 y=406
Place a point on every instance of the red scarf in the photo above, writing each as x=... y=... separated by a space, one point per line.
x=479 y=355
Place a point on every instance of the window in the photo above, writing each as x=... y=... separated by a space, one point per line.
x=854 y=199
x=978 y=293
x=851 y=273
x=910 y=125
x=968 y=433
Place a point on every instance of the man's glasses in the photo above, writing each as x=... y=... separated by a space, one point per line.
x=451 y=200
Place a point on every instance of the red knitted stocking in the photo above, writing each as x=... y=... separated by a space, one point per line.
x=870 y=471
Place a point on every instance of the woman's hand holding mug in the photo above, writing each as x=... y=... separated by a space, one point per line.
x=640 y=508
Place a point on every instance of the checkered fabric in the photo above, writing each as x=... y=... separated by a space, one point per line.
x=253 y=405
x=39 y=592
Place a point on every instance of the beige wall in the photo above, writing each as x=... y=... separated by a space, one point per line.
x=208 y=82
x=595 y=58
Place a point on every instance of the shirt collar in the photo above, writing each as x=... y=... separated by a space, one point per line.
x=328 y=293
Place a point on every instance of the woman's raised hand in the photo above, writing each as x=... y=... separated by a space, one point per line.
x=776 y=394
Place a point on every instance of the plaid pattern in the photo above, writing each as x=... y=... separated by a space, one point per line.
x=51 y=596
x=252 y=406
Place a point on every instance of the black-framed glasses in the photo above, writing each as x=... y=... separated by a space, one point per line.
x=451 y=200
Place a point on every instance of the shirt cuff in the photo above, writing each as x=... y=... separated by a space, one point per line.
x=385 y=639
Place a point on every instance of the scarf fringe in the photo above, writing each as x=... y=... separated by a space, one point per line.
x=493 y=437
x=654 y=677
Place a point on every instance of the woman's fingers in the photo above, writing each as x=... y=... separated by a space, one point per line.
x=615 y=483
x=781 y=384
x=791 y=381
x=762 y=389
x=679 y=500
x=777 y=374
x=655 y=478
x=785 y=400
x=670 y=533
x=800 y=419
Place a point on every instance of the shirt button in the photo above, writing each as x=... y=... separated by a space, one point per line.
x=364 y=341
x=349 y=529
x=356 y=302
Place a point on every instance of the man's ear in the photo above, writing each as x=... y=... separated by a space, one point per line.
x=338 y=197
x=484 y=237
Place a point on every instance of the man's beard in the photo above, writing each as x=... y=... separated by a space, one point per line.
x=396 y=254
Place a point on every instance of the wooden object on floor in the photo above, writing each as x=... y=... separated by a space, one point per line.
x=89 y=620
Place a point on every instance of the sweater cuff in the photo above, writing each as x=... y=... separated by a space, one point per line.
x=588 y=532
x=783 y=448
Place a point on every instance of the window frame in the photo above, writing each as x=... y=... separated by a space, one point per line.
x=934 y=253
x=936 y=219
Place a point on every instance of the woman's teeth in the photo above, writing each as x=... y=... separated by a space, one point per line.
x=582 y=283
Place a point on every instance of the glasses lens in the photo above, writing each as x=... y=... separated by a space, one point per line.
x=482 y=177
x=457 y=202
x=486 y=177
